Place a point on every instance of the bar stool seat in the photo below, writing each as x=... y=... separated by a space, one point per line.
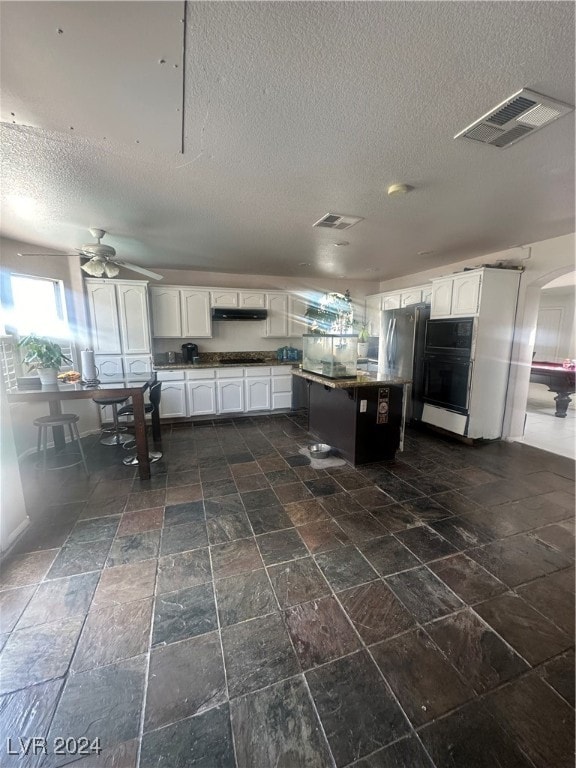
x=59 y=420
x=116 y=436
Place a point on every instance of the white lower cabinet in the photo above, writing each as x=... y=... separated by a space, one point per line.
x=173 y=399
x=281 y=391
x=257 y=394
x=230 y=395
x=201 y=396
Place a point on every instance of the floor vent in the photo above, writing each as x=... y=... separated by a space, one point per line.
x=337 y=221
x=516 y=117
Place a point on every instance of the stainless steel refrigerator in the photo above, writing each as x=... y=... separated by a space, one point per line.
x=401 y=351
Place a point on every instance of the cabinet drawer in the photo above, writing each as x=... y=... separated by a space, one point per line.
x=176 y=375
x=282 y=384
x=205 y=373
x=281 y=400
x=281 y=370
x=257 y=371
x=223 y=299
x=230 y=373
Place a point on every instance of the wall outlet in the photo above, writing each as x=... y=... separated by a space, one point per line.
x=363 y=406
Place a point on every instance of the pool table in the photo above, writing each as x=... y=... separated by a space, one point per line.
x=558 y=379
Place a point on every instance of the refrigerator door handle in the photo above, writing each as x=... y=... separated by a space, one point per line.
x=392 y=345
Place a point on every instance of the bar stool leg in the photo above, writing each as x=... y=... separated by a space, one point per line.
x=39 y=446
x=75 y=435
x=44 y=430
x=116 y=438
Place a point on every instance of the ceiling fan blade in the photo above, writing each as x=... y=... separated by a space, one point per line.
x=46 y=254
x=141 y=270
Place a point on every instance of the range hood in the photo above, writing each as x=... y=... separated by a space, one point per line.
x=239 y=314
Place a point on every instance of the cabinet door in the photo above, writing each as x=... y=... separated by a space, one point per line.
x=248 y=300
x=297 y=324
x=223 y=298
x=196 y=320
x=441 y=299
x=133 y=311
x=110 y=367
x=257 y=394
x=137 y=366
x=166 y=316
x=391 y=301
x=277 y=320
x=172 y=399
x=411 y=297
x=465 y=294
x=103 y=311
x=230 y=394
x=427 y=294
x=201 y=397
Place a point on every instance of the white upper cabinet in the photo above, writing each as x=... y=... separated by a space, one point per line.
x=391 y=301
x=118 y=316
x=104 y=321
x=251 y=300
x=133 y=312
x=372 y=314
x=457 y=295
x=466 y=293
x=196 y=320
x=410 y=297
x=277 y=320
x=180 y=312
x=166 y=315
x=224 y=299
x=297 y=324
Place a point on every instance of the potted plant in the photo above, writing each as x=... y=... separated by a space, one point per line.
x=44 y=356
x=363 y=336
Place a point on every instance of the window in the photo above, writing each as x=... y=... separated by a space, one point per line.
x=37 y=306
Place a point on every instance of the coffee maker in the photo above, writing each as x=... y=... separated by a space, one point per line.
x=189 y=352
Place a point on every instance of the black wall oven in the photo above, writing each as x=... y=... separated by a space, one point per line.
x=448 y=363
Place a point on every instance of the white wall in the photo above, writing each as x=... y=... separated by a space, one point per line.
x=542 y=261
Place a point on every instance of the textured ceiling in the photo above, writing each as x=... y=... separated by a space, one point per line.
x=291 y=111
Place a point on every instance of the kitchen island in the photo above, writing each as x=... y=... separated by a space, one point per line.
x=361 y=418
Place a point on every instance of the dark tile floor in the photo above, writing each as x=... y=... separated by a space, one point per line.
x=244 y=609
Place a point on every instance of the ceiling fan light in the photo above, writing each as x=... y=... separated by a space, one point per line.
x=111 y=270
x=94 y=268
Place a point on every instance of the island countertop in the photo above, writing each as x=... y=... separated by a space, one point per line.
x=363 y=379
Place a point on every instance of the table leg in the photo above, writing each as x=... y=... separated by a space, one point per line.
x=141 y=436
x=156 y=431
x=55 y=407
x=563 y=400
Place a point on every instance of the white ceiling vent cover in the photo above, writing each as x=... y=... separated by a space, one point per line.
x=515 y=118
x=337 y=221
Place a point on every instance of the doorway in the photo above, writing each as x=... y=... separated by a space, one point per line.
x=554 y=342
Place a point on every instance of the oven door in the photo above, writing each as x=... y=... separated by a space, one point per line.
x=447 y=382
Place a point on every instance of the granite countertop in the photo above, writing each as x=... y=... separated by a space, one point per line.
x=363 y=380
x=194 y=366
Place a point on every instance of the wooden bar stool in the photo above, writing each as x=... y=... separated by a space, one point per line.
x=59 y=420
x=116 y=436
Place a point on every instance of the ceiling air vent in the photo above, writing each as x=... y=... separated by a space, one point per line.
x=337 y=221
x=523 y=113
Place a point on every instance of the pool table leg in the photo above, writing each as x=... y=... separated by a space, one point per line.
x=563 y=400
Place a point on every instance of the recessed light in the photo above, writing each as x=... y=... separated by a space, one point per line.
x=425 y=253
x=399 y=189
x=342 y=244
x=303 y=264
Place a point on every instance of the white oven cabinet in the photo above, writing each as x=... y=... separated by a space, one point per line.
x=457 y=295
x=230 y=395
x=134 y=318
x=257 y=391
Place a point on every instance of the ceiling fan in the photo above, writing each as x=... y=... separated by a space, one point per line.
x=101 y=259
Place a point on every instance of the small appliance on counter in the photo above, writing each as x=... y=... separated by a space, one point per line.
x=189 y=352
